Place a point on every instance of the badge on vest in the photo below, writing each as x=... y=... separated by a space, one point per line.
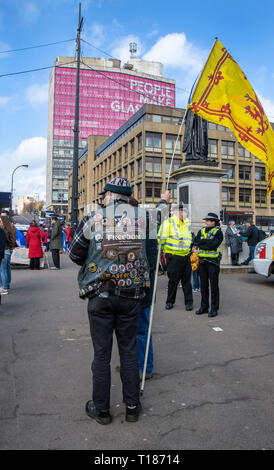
x=92 y=267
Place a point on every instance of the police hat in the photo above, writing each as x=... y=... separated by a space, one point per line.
x=211 y=216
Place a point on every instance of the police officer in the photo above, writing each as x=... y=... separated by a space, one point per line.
x=114 y=276
x=208 y=241
x=176 y=240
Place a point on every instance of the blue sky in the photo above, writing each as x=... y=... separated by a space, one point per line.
x=179 y=34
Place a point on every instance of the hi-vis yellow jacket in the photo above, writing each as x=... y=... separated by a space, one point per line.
x=176 y=236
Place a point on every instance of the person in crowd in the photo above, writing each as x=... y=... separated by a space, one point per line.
x=56 y=242
x=194 y=258
x=34 y=240
x=252 y=235
x=208 y=241
x=234 y=242
x=5 y=213
x=68 y=236
x=114 y=276
x=176 y=241
x=5 y=270
x=2 y=250
x=46 y=239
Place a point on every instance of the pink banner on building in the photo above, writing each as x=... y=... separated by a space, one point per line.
x=107 y=100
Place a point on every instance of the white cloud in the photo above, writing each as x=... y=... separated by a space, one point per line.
x=268 y=106
x=173 y=50
x=26 y=180
x=5 y=100
x=37 y=94
x=95 y=34
x=182 y=62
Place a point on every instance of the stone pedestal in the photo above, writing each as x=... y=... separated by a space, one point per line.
x=198 y=187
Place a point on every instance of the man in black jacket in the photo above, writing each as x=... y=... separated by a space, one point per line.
x=252 y=235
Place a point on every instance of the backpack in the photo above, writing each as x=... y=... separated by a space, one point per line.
x=261 y=235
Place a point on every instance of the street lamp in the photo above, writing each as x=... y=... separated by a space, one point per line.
x=11 y=197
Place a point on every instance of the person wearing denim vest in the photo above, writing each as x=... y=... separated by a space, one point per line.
x=110 y=247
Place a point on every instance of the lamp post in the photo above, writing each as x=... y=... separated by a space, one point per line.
x=11 y=197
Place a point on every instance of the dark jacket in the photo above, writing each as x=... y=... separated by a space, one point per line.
x=252 y=235
x=3 y=242
x=56 y=241
x=233 y=241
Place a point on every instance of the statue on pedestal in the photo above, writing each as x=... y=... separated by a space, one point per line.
x=195 y=143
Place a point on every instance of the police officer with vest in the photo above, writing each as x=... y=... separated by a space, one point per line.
x=176 y=240
x=110 y=247
x=208 y=241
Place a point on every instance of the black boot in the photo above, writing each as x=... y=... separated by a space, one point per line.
x=213 y=313
x=201 y=310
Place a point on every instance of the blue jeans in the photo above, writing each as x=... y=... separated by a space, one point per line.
x=251 y=254
x=5 y=271
x=142 y=341
x=196 y=280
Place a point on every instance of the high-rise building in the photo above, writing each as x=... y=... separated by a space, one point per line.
x=109 y=96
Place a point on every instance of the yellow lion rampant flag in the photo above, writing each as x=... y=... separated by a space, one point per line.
x=224 y=95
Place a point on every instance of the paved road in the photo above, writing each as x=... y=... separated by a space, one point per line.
x=212 y=389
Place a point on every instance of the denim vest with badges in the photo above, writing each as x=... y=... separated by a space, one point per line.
x=116 y=260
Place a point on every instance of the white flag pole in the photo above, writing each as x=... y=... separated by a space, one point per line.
x=156 y=272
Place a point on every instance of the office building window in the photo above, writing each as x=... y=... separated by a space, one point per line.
x=172 y=143
x=260 y=197
x=153 y=166
x=153 y=140
x=228 y=149
x=132 y=171
x=244 y=196
x=139 y=191
x=260 y=173
x=140 y=142
x=153 y=191
x=175 y=164
x=212 y=148
x=243 y=153
x=139 y=166
x=244 y=173
x=155 y=118
x=230 y=171
x=228 y=194
x=132 y=147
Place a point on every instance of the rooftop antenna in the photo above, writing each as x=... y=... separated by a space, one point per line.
x=133 y=49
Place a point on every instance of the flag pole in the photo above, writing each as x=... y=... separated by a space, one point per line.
x=156 y=272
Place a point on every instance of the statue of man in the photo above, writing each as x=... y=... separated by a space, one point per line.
x=196 y=137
